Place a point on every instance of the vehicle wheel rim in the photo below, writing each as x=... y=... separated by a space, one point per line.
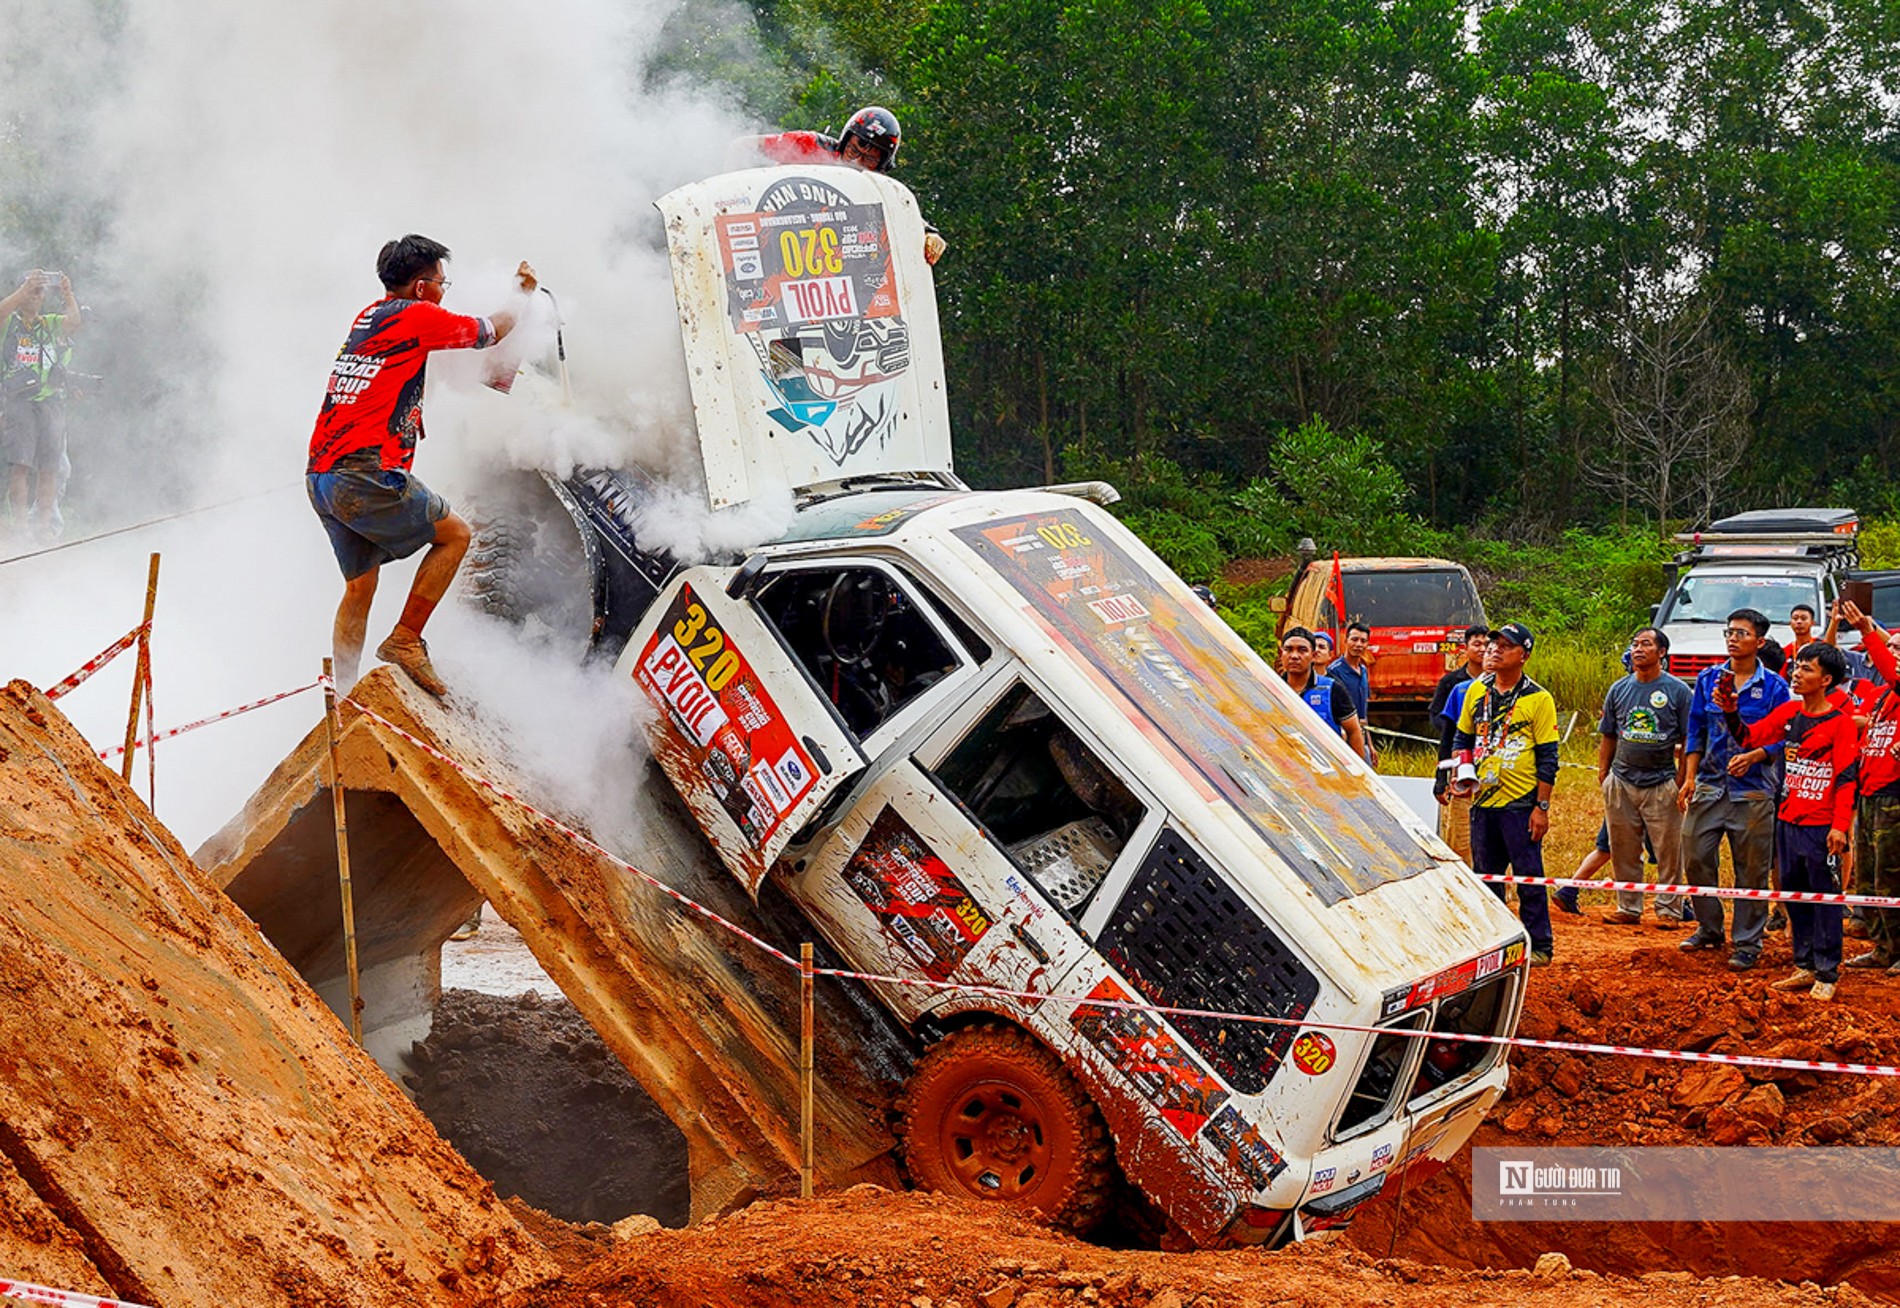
x=996 y=1143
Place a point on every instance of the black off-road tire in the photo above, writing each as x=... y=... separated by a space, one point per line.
x=989 y=1113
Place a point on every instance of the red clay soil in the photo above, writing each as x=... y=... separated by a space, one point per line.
x=870 y=1248
x=1631 y=985
x=179 y=1113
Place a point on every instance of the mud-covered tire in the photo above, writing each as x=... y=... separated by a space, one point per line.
x=990 y=1114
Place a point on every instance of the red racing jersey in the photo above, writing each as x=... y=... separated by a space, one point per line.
x=374 y=400
x=1820 y=758
x=802 y=148
x=1879 y=767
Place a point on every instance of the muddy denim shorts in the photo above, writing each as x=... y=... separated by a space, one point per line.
x=373 y=516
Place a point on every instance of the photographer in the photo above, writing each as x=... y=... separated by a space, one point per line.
x=35 y=348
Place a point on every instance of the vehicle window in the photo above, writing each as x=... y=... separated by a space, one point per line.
x=1061 y=814
x=1887 y=606
x=865 y=643
x=1712 y=598
x=1440 y=597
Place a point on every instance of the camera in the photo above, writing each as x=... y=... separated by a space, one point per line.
x=49 y=281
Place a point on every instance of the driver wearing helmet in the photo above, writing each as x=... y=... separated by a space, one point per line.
x=869 y=141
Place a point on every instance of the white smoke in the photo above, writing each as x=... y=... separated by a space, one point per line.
x=253 y=159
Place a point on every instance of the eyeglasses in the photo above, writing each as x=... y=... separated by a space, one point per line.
x=443 y=282
x=1739 y=633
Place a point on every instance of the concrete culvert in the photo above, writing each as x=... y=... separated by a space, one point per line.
x=528 y=1093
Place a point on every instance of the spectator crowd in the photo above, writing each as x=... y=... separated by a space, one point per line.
x=1786 y=757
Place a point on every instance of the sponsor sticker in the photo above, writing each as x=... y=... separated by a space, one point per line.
x=1314 y=1054
x=714 y=706
x=1382 y=1157
x=1451 y=981
x=916 y=898
x=1162 y=1071
x=1323 y=1179
x=1240 y=1141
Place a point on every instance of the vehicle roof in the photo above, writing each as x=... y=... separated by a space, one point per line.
x=1796 y=520
x=1757 y=567
x=1394 y=564
x=1249 y=824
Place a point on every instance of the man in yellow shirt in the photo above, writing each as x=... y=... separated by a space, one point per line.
x=1506 y=750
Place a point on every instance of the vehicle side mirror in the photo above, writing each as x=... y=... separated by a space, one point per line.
x=1654 y=611
x=746 y=579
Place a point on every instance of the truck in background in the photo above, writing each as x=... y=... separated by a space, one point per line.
x=1766 y=559
x=1418 y=610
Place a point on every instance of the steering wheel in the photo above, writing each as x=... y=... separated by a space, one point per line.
x=852 y=620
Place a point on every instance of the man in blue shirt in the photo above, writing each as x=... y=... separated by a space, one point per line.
x=1354 y=672
x=1730 y=792
x=1326 y=697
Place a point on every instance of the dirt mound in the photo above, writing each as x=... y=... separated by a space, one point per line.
x=525 y=1090
x=869 y=1248
x=178 y=1111
x=1630 y=985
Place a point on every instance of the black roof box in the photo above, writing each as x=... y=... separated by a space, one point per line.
x=1792 y=522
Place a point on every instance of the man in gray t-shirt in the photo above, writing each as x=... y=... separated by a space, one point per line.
x=1639 y=761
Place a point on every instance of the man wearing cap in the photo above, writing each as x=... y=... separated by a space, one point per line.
x=1506 y=752
x=1639 y=769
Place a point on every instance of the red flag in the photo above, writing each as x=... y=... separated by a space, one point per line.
x=1336 y=591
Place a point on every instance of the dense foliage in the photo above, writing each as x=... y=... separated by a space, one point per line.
x=1185 y=228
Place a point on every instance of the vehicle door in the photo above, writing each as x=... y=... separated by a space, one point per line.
x=745 y=738
x=973 y=857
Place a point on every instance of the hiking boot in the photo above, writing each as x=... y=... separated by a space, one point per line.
x=1540 y=958
x=1777 y=918
x=469 y=929
x=1617 y=917
x=1566 y=900
x=1871 y=959
x=1800 y=979
x=1740 y=962
x=1855 y=929
x=1671 y=922
x=410 y=652
x=1700 y=939
x=1823 y=991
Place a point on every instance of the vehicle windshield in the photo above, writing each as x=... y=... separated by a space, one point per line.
x=1712 y=597
x=1259 y=750
x=1441 y=597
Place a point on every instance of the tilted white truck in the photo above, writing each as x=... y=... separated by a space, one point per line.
x=998 y=753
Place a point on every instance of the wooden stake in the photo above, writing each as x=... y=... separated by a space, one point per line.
x=331 y=727
x=140 y=672
x=805 y=1076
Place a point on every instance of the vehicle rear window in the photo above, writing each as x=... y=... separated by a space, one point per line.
x=1442 y=597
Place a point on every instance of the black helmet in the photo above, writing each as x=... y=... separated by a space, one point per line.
x=875 y=128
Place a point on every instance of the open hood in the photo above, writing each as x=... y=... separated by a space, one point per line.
x=810 y=323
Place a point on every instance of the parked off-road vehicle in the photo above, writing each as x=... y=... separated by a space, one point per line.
x=1005 y=761
x=1766 y=559
x=1418 y=610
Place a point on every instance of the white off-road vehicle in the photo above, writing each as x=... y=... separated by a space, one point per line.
x=1000 y=756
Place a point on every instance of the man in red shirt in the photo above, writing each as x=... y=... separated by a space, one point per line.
x=1820 y=758
x=869 y=141
x=1877 y=819
x=365 y=440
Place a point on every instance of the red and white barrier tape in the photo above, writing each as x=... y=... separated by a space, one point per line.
x=31 y=1293
x=1420 y=1033
x=1629 y=1051
x=97 y=661
x=169 y=732
x=1715 y=892
x=572 y=834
